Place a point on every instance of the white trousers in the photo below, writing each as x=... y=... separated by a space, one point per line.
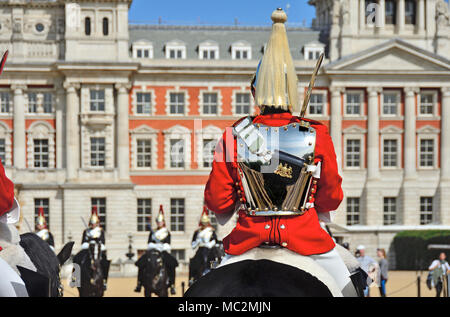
x=335 y=266
x=11 y=285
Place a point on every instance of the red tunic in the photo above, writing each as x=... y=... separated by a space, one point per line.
x=6 y=192
x=302 y=234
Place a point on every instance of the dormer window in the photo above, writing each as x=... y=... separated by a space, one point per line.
x=313 y=50
x=142 y=49
x=208 y=50
x=241 y=50
x=175 y=50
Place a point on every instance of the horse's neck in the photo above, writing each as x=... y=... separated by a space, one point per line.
x=285 y=256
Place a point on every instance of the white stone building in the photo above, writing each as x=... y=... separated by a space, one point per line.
x=92 y=110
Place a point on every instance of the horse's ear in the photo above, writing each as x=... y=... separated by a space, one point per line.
x=65 y=253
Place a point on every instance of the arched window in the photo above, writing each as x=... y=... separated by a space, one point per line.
x=87 y=25
x=105 y=26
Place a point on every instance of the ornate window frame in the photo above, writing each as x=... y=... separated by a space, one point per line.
x=41 y=130
x=88 y=132
x=6 y=133
x=397 y=115
x=241 y=46
x=391 y=133
x=428 y=133
x=144 y=132
x=177 y=132
x=186 y=101
x=219 y=102
x=153 y=101
x=244 y=90
x=175 y=45
x=40 y=102
x=208 y=46
x=86 y=99
x=426 y=116
x=354 y=133
x=209 y=132
x=361 y=108
x=142 y=45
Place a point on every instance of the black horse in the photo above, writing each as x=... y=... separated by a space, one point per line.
x=156 y=279
x=46 y=282
x=91 y=270
x=203 y=261
x=258 y=278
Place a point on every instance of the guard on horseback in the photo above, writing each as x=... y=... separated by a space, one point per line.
x=94 y=235
x=42 y=229
x=158 y=240
x=205 y=239
x=278 y=171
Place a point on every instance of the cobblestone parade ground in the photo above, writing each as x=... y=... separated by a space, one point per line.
x=400 y=284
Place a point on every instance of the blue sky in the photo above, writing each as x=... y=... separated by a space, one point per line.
x=218 y=12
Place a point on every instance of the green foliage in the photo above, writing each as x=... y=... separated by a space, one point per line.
x=411 y=248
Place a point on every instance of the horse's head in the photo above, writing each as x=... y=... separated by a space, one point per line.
x=155 y=270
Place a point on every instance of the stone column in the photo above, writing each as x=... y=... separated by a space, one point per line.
x=59 y=108
x=336 y=121
x=19 y=151
x=420 y=25
x=410 y=133
x=123 y=136
x=72 y=131
x=400 y=15
x=373 y=134
x=445 y=134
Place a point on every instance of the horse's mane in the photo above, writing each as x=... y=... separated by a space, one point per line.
x=40 y=254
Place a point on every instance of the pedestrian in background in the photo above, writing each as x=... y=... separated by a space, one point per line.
x=367 y=264
x=383 y=273
x=440 y=268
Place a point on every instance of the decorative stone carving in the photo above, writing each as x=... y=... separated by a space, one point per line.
x=442 y=15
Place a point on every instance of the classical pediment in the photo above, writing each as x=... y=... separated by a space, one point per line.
x=392 y=56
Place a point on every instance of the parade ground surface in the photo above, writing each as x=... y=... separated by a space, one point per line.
x=400 y=284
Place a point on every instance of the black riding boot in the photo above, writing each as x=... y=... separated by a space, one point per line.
x=139 y=281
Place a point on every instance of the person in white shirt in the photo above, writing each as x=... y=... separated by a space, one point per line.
x=440 y=268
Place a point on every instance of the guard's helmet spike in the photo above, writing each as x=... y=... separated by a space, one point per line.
x=204 y=219
x=160 y=217
x=275 y=82
x=94 y=216
x=41 y=221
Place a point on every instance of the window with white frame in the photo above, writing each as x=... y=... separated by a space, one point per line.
x=41 y=153
x=100 y=203
x=98 y=152
x=143 y=103
x=426 y=152
x=390 y=103
x=353 y=211
x=97 y=100
x=390 y=153
x=32 y=102
x=317 y=104
x=175 y=50
x=45 y=204
x=177 y=155
x=428 y=100
x=144 y=214
x=242 y=103
x=426 y=210
x=144 y=153
x=48 y=102
x=209 y=146
x=389 y=211
x=3 y=151
x=353 y=103
x=177 y=103
x=210 y=103
x=312 y=51
x=40 y=102
x=208 y=50
x=353 y=153
x=142 y=49
x=241 y=50
x=177 y=214
x=5 y=101
x=179 y=254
